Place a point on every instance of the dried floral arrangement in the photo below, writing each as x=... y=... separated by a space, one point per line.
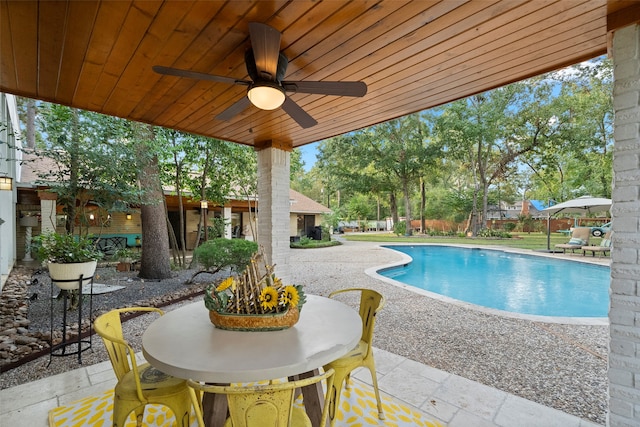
x=255 y=291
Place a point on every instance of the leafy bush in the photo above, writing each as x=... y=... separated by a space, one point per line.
x=126 y=255
x=311 y=244
x=487 y=232
x=445 y=233
x=304 y=240
x=526 y=223
x=326 y=236
x=216 y=254
x=400 y=229
x=509 y=226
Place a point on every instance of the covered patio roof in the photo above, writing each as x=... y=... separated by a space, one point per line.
x=413 y=55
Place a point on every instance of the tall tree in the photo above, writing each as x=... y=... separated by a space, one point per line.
x=381 y=159
x=175 y=166
x=581 y=161
x=93 y=161
x=155 y=262
x=491 y=131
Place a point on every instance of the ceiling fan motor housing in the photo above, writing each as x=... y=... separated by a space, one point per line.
x=252 y=70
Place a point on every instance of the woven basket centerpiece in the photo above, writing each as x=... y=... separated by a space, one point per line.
x=255 y=300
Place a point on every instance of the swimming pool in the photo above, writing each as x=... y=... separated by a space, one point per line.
x=506 y=281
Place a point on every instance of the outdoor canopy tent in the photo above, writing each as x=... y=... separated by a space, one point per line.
x=583 y=204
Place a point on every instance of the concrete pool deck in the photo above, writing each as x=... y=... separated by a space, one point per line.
x=560 y=365
x=462 y=366
x=449 y=399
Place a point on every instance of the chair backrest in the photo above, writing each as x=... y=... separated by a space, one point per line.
x=109 y=327
x=264 y=405
x=606 y=240
x=370 y=303
x=581 y=233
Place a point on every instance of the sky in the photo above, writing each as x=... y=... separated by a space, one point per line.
x=309 y=155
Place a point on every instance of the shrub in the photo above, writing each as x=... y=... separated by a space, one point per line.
x=126 y=255
x=509 y=226
x=216 y=254
x=304 y=240
x=400 y=229
x=487 y=232
x=326 y=235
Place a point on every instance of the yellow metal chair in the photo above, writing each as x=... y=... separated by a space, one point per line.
x=140 y=385
x=265 y=405
x=362 y=355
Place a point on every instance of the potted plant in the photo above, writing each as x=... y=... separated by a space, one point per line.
x=68 y=257
x=255 y=300
x=126 y=257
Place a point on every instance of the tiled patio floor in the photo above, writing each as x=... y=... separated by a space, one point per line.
x=452 y=400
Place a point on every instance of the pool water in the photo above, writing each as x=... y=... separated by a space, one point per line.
x=506 y=281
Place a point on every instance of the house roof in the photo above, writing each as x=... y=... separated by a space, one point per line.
x=413 y=55
x=538 y=204
x=32 y=165
x=299 y=203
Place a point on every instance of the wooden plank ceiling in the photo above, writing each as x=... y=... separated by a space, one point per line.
x=413 y=55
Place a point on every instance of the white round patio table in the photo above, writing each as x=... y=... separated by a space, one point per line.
x=184 y=343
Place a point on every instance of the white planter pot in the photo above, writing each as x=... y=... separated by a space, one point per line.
x=71 y=271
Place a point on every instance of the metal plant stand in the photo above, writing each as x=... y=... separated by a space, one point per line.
x=78 y=345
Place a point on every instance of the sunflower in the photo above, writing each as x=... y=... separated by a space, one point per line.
x=269 y=298
x=290 y=296
x=227 y=283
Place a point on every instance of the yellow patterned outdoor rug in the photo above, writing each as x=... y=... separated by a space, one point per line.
x=357 y=409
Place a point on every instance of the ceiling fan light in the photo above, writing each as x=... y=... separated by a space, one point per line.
x=266 y=96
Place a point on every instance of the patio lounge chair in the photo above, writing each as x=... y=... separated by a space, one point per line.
x=579 y=238
x=603 y=248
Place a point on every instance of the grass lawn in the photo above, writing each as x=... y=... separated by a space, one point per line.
x=520 y=240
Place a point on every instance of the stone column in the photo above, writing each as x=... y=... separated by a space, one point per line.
x=273 y=205
x=47 y=212
x=624 y=314
x=226 y=216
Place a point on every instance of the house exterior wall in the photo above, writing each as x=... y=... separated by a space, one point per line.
x=293 y=225
x=9 y=132
x=624 y=314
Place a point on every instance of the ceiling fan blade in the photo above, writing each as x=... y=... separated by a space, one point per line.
x=235 y=109
x=327 y=88
x=195 y=75
x=298 y=114
x=265 y=42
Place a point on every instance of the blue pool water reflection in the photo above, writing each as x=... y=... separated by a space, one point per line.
x=506 y=281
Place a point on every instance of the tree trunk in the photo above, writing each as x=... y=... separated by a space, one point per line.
x=393 y=205
x=74 y=165
x=407 y=205
x=377 y=211
x=469 y=223
x=423 y=203
x=173 y=242
x=485 y=206
x=474 y=213
x=31 y=123
x=155 y=262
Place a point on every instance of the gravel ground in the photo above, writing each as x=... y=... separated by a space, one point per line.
x=557 y=365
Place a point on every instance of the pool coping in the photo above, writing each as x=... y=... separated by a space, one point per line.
x=406 y=259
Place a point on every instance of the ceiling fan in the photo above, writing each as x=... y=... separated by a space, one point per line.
x=267 y=90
